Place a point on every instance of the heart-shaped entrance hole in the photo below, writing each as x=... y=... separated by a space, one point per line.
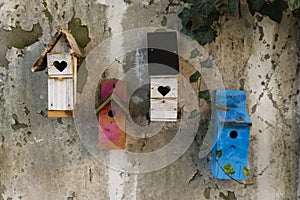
x=164 y=90
x=60 y=66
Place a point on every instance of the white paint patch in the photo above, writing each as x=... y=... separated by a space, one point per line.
x=115 y=13
x=115 y=179
x=121 y=185
x=264 y=117
x=133 y=194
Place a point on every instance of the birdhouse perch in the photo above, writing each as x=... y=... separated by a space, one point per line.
x=61 y=57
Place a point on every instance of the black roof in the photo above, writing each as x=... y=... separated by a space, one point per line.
x=162 y=53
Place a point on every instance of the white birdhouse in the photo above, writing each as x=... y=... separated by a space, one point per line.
x=61 y=57
x=163 y=69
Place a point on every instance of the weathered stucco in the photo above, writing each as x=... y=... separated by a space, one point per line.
x=43 y=158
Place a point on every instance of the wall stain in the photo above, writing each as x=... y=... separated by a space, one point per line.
x=207 y=193
x=2 y=190
x=261 y=31
x=128 y=1
x=80 y=32
x=230 y=195
x=19 y=38
x=164 y=21
x=17 y=125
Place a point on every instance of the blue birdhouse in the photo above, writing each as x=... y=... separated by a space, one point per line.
x=231 y=135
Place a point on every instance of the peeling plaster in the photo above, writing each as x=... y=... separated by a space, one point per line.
x=47 y=160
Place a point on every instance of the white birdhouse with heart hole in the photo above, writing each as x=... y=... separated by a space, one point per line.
x=61 y=58
x=163 y=68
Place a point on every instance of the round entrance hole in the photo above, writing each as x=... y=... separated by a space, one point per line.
x=233 y=134
x=111 y=113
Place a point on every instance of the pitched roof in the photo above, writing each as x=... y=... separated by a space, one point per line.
x=115 y=98
x=41 y=63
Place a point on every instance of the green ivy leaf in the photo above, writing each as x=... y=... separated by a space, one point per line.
x=205 y=7
x=219 y=153
x=164 y=21
x=207 y=63
x=294 y=4
x=185 y=15
x=296 y=13
x=194 y=53
x=194 y=77
x=187 y=32
x=246 y=171
x=224 y=8
x=194 y=114
x=207 y=37
x=255 y=5
x=228 y=169
x=233 y=5
x=208 y=21
x=204 y=125
x=204 y=95
x=274 y=10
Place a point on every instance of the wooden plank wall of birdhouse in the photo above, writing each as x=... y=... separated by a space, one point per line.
x=61 y=94
x=163 y=109
x=60 y=65
x=62 y=89
x=163 y=98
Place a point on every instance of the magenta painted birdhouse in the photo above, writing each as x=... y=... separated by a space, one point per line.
x=112 y=115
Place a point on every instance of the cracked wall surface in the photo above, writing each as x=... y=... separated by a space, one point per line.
x=43 y=158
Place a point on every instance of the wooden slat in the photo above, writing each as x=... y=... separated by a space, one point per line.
x=169 y=81
x=164 y=104
x=60 y=94
x=163 y=109
x=60 y=113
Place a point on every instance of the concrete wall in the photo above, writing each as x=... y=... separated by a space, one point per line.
x=43 y=158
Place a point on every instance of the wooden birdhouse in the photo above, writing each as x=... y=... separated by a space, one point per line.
x=163 y=65
x=231 y=135
x=112 y=114
x=61 y=58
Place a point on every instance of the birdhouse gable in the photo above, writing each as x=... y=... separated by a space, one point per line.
x=61 y=46
x=63 y=42
x=231 y=108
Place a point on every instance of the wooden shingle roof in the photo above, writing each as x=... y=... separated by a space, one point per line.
x=41 y=63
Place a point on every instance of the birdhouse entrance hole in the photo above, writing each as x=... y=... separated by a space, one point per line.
x=164 y=90
x=60 y=66
x=233 y=134
x=111 y=113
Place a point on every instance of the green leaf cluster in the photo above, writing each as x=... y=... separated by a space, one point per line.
x=200 y=21
x=272 y=9
x=228 y=169
x=204 y=95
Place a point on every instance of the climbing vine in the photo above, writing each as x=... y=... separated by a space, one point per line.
x=201 y=19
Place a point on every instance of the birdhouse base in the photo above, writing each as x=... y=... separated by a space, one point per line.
x=60 y=113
